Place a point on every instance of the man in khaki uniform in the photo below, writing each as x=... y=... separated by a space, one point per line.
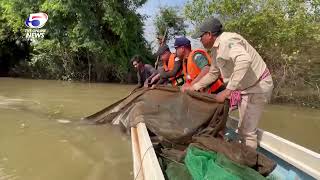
x=249 y=83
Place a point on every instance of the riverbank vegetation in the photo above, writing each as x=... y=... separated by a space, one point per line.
x=84 y=40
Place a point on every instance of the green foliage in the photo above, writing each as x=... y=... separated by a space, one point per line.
x=169 y=19
x=286 y=33
x=84 y=38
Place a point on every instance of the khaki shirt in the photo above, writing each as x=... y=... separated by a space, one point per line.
x=239 y=64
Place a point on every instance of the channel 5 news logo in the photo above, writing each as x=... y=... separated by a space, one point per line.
x=36 y=20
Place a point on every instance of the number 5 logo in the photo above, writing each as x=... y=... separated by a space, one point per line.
x=36 y=20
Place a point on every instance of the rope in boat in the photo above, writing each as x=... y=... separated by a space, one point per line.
x=142 y=161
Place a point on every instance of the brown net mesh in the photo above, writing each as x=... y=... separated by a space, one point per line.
x=178 y=119
x=168 y=113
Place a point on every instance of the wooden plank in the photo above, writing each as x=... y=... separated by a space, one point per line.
x=300 y=157
x=137 y=169
x=150 y=164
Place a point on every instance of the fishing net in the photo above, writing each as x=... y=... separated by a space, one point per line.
x=169 y=114
x=215 y=166
x=175 y=120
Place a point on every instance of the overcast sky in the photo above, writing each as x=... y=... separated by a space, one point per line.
x=151 y=9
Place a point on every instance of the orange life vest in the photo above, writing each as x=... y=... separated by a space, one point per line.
x=177 y=79
x=191 y=70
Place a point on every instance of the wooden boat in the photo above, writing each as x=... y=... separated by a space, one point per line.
x=293 y=161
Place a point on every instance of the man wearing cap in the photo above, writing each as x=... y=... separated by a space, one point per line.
x=145 y=72
x=195 y=65
x=249 y=83
x=171 y=70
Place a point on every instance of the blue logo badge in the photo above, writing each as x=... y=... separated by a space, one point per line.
x=36 y=20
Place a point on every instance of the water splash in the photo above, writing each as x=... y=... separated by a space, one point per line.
x=5 y=175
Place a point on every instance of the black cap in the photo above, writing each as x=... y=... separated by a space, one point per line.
x=211 y=24
x=181 y=41
x=162 y=49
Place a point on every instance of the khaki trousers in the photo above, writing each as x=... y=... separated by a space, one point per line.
x=250 y=111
